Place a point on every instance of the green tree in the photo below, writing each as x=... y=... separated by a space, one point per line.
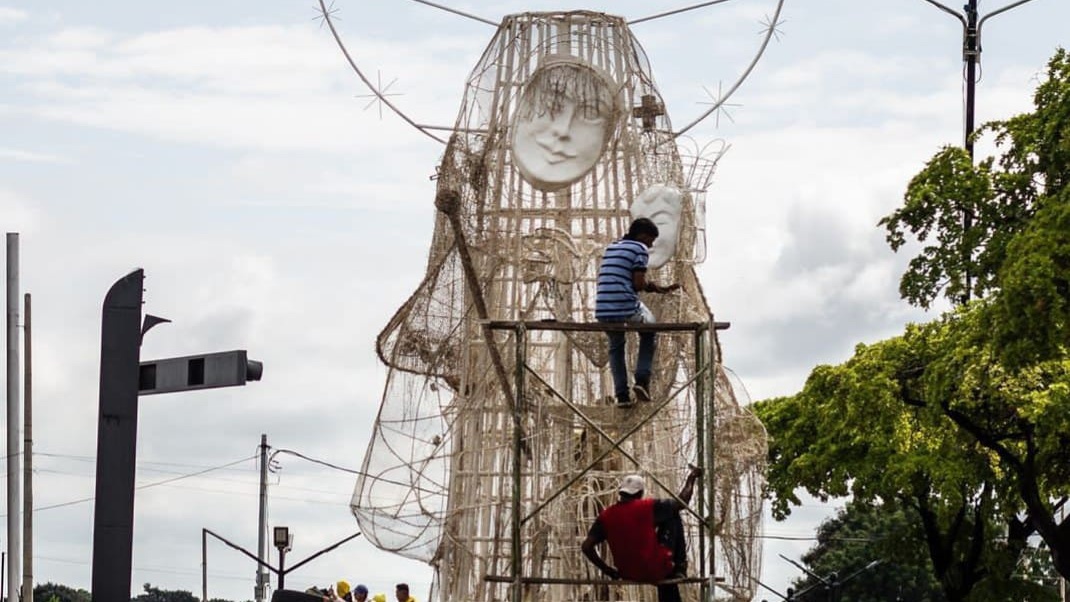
x=155 y=594
x=1000 y=367
x=851 y=431
x=863 y=533
x=949 y=188
x=964 y=420
x=54 y=592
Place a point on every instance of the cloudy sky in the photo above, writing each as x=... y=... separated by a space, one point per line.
x=224 y=148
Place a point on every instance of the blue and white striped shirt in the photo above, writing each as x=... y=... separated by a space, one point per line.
x=617 y=298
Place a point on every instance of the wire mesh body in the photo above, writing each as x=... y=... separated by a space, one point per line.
x=516 y=240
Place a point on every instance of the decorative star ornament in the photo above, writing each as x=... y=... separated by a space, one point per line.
x=379 y=93
x=722 y=107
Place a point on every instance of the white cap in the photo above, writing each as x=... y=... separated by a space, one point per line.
x=632 y=484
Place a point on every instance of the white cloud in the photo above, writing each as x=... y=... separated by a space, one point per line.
x=10 y=16
x=258 y=87
x=20 y=214
x=15 y=154
x=78 y=38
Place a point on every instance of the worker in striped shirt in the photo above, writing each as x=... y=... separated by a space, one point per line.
x=620 y=278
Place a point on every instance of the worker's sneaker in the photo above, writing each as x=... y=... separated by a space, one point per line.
x=641 y=392
x=625 y=402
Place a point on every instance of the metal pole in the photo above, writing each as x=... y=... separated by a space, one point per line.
x=701 y=460
x=27 y=450
x=113 y=514
x=518 y=416
x=260 y=591
x=204 y=565
x=318 y=554
x=14 y=480
x=282 y=569
x=970 y=53
x=1062 y=580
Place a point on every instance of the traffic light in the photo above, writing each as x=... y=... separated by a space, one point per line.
x=192 y=372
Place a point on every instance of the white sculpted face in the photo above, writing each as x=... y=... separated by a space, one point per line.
x=564 y=118
x=662 y=205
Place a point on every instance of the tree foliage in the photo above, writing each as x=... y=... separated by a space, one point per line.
x=963 y=421
x=863 y=533
x=1031 y=316
x=851 y=431
x=1000 y=369
x=934 y=211
x=55 y=592
x=155 y=594
x=965 y=215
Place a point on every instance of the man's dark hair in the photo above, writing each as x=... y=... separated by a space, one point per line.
x=404 y=586
x=641 y=225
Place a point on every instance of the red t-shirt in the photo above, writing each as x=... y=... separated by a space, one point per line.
x=629 y=528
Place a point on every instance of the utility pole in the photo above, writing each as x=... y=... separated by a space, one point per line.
x=27 y=450
x=971 y=56
x=261 y=533
x=14 y=493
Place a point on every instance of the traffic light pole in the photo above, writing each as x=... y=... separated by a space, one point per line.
x=122 y=378
x=113 y=517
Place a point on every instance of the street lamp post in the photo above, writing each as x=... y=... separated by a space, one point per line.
x=971 y=56
x=284 y=541
x=832 y=583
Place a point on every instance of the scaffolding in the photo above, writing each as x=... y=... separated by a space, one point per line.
x=627 y=422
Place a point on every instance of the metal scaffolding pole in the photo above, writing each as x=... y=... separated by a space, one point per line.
x=704 y=433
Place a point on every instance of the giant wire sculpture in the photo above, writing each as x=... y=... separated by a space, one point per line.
x=561 y=138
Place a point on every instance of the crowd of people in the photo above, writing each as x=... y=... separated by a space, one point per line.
x=343 y=592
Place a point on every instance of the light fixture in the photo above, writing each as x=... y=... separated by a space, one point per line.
x=282 y=537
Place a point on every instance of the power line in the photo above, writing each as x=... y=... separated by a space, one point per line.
x=345 y=494
x=317 y=461
x=146 y=486
x=229 y=576
x=140 y=462
x=412 y=485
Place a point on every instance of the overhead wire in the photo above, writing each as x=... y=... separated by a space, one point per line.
x=461 y=13
x=413 y=485
x=295 y=488
x=145 y=486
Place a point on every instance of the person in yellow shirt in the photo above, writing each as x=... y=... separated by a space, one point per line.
x=342 y=592
x=402 y=593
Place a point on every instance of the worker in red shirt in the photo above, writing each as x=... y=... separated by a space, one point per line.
x=645 y=536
